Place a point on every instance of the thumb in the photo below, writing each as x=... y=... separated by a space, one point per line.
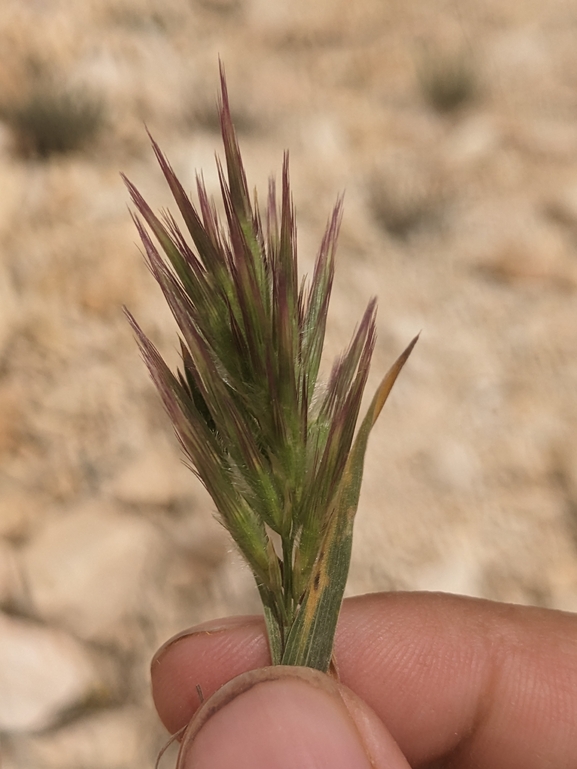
x=283 y=718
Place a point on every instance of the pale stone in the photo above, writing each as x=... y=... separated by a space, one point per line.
x=547 y=137
x=156 y=477
x=14 y=181
x=43 y=672
x=517 y=245
x=458 y=572
x=11 y=587
x=403 y=194
x=270 y=16
x=456 y=465
x=109 y=739
x=11 y=194
x=562 y=205
x=17 y=508
x=8 y=309
x=324 y=137
x=568 y=468
x=473 y=140
x=86 y=569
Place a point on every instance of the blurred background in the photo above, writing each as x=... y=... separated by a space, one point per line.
x=452 y=129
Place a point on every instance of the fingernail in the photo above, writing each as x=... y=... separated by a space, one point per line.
x=209 y=628
x=286 y=718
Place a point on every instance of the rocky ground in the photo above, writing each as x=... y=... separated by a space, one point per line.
x=461 y=217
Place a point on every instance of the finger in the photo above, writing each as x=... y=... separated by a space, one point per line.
x=448 y=676
x=284 y=717
x=195 y=663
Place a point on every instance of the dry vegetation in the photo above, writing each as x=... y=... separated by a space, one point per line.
x=460 y=214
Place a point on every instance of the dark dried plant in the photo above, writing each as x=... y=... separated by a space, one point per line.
x=52 y=120
x=448 y=81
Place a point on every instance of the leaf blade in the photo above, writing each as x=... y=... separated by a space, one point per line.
x=311 y=639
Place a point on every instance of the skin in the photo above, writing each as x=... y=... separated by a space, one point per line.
x=438 y=681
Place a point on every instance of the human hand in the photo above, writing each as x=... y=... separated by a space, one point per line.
x=438 y=681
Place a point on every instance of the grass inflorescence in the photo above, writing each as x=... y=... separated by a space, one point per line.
x=276 y=452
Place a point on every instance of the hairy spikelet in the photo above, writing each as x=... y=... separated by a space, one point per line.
x=272 y=448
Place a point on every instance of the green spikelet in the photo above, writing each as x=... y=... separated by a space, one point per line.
x=277 y=453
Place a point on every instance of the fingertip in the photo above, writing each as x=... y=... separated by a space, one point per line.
x=200 y=660
x=283 y=717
